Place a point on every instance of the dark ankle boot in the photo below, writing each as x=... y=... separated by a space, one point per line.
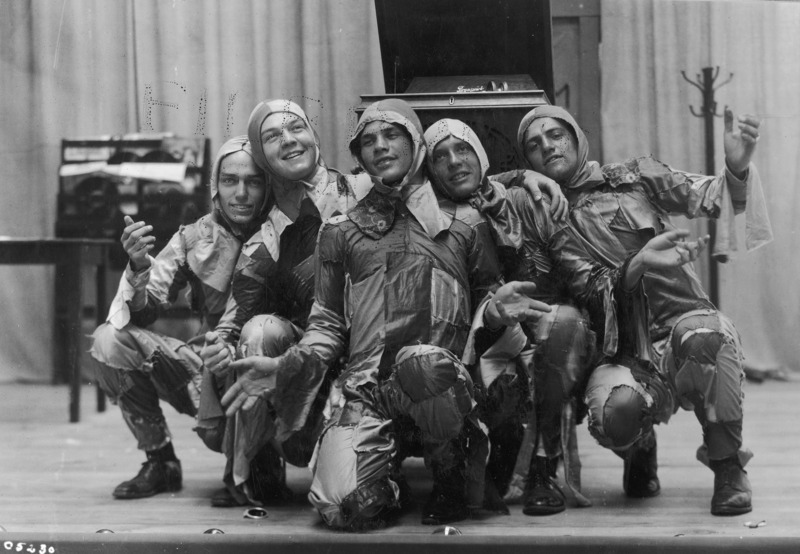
x=542 y=495
x=506 y=440
x=268 y=477
x=732 y=492
x=160 y=473
x=640 y=478
x=447 y=502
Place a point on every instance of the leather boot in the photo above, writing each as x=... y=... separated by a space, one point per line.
x=447 y=502
x=640 y=478
x=267 y=479
x=160 y=473
x=506 y=440
x=732 y=492
x=542 y=495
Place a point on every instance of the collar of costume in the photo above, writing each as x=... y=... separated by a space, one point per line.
x=214 y=255
x=490 y=199
x=588 y=174
x=375 y=214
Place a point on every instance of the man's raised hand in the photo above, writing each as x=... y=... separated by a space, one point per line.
x=740 y=143
x=137 y=242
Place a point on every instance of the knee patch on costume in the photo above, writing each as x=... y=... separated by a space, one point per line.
x=433 y=388
x=564 y=346
x=267 y=335
x=351 y=485
x=618 y=407
x=698 y=343
x=505 y=401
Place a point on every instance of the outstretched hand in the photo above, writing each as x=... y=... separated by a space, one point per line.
x=670 y=249
x=256 y=381
x=740 y=143
x=512 y=304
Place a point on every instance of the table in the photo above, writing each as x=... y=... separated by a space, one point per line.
x=69 y=255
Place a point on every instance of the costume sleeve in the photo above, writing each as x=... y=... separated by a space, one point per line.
x=681 y=192
x=302 y=368
x=593 y=286
x=485 y=275
x=156 y=288
x=248 y=291
x=513 y=178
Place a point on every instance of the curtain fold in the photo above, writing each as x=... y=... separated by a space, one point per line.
x=645 y=109
x=80 y=68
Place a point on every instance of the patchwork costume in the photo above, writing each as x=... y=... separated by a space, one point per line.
x=135 y=366
x=555 y=353
x=272 y=293
x=397 y=277
x=692 y=356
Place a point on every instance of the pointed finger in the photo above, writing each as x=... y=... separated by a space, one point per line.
x=240 y=365
x=236 y=404
x=231 y=394
x=525 y=287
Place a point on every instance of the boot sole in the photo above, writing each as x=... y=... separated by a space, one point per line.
x=643 y=494
x=543 y=511
x=429 y=520
x=731 y=511
x=135 y=495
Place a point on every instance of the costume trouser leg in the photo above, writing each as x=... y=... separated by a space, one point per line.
x=254 y=461
x=136 y=368
x=702 y=360
x=563 y=351
x=564 y=348
x=706 y=357
x=505 y=399
x=352 y=487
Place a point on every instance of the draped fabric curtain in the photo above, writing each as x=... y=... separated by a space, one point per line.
x=645 y=109
x=79 y=68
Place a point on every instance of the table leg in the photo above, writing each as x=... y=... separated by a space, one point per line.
x=100 y=317
x=68 y=285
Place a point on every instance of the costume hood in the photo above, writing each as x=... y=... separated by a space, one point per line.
x=236 y=144
x=261 y=112
x=445 y=128
x=587 y=174
x=400 y=113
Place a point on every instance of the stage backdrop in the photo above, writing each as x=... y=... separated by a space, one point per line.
x=86 y=67
x=645 y=109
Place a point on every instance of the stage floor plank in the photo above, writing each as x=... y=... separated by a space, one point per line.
x=57 y=477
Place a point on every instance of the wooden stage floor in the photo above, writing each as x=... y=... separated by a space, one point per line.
x=57 y=479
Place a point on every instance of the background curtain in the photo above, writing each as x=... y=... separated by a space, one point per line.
x=78 y=68
x=645 y=109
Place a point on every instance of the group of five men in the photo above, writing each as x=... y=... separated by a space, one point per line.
x=421 y=307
